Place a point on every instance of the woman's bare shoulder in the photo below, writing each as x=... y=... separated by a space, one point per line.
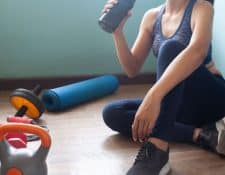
x=153 y=12
x=150 y=16
x=203 y=6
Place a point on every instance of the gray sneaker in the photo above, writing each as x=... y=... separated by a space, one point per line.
x=213 y=138
x=150 y=161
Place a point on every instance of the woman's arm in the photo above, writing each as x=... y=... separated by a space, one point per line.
x=133 y=59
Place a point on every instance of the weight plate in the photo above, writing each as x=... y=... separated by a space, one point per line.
x=23 y=97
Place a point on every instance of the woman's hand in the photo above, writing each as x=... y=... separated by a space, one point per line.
x=146 y=117
x=108 y=6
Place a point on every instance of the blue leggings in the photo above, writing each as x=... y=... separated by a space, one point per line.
x=196 y=101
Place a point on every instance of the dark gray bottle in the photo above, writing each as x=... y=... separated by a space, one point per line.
x=109 y=21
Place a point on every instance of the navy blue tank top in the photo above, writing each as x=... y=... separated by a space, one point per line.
x=183 y=33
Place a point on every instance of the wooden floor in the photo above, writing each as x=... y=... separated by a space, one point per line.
x=83 y=145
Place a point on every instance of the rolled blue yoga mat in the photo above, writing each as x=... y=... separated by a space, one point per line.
x=68 y=96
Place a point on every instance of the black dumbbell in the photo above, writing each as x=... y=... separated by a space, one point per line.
x=27 y=103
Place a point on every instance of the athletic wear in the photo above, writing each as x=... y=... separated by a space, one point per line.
x=150 y=161
x=182 y=35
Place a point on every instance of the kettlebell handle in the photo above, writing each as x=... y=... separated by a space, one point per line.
x=26 y=128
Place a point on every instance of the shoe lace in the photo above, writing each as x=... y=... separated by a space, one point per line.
x=142 y=153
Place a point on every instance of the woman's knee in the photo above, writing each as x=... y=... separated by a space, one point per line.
x=119 y=115
x=121 y=111
x=167 y=52
x=115 y=115
x=109 y=112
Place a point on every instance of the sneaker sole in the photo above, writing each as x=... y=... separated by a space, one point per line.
x=221 y=138
x=165 y=170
